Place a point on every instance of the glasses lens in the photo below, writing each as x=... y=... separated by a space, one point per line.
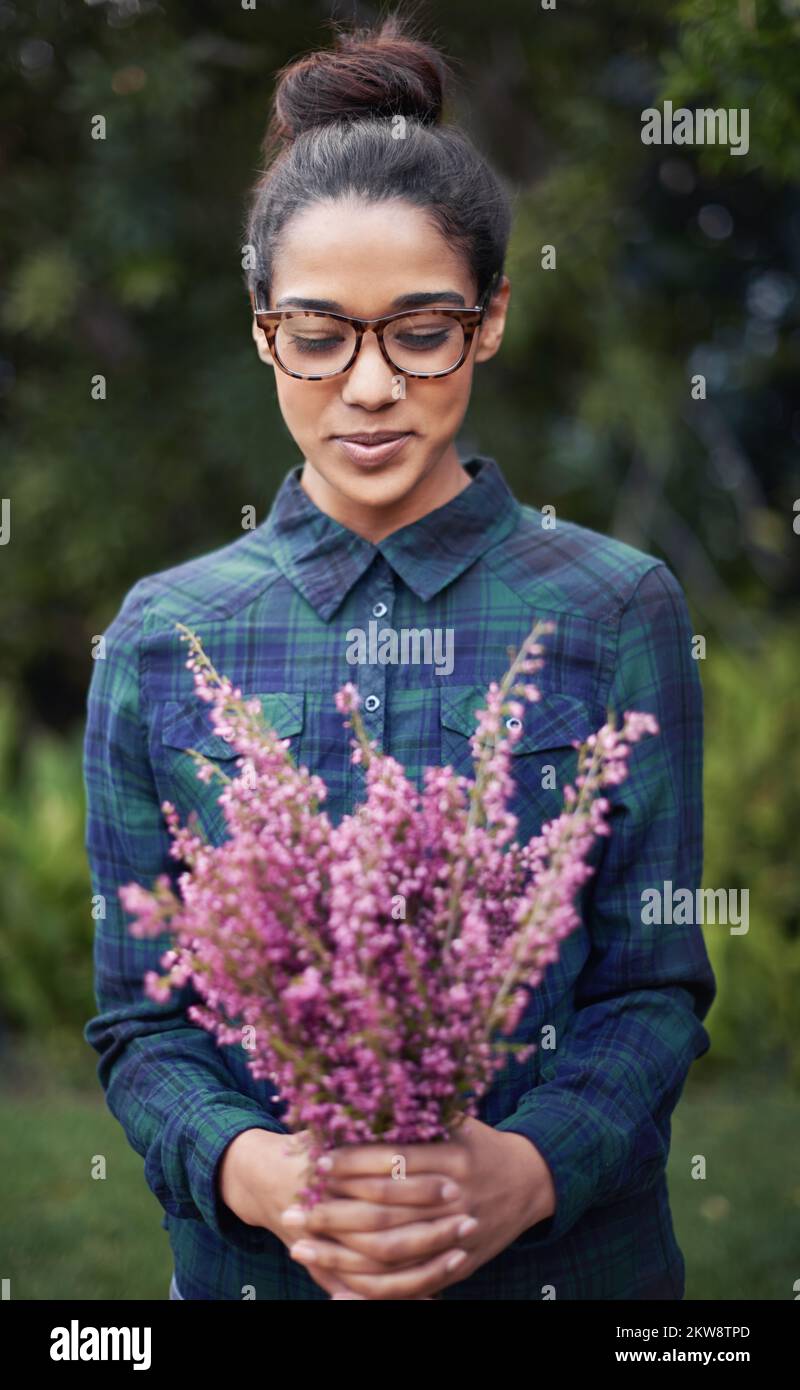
x=427 y=342
x=314 y=344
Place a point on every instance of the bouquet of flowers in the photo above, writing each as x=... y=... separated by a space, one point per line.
x=370 y=966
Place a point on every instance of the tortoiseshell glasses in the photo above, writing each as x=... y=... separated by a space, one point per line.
x=416 y=342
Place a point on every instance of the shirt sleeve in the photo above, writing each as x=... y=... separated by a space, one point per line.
x=601 y=1115
x=164 y=1078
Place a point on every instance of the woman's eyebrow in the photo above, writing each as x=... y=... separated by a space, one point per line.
x=404 y=301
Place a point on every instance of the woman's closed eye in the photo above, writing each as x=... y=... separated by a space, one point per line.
x=307 y=342
x=420 y=338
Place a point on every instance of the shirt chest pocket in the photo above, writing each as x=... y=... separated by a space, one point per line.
x=186 y=724
x=543 y=758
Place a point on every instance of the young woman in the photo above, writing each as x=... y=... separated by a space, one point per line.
x=378 y=239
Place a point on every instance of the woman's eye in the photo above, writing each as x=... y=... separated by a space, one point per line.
x=316 y=344
x=424 y=338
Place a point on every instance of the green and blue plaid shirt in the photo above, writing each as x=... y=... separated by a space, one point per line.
x=618 y=1018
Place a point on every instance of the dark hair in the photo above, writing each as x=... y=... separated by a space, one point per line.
x=333 y=133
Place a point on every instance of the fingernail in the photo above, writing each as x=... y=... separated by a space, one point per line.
x=325 y=1163
x=303 y=1250
x=294 y=1216
x=450 y=1190
x=456 y=1259
x=467 y=1225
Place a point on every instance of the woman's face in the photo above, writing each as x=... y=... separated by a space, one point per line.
x=364 y=259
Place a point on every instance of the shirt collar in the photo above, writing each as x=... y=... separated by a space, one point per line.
x=323 y=559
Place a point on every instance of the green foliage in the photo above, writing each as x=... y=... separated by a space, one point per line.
x=743 y=54
x=752 y=791
x=42 y=293
x=45 y=891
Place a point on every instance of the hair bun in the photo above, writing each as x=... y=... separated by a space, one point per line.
x=370 y=72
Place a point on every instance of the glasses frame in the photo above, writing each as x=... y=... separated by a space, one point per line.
x=470 y=318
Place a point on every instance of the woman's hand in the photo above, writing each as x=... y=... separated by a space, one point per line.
x=260 y=1176
x=387 y=1230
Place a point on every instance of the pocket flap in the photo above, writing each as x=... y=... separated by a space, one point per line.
x=187 y=723
x=554 y=721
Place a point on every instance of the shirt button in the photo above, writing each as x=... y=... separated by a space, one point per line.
x=380 y=610
x=371 y=704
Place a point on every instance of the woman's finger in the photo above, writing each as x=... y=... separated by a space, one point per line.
x=418 y=1281
x=332 y=1255
x=380 y=1251
x=413 y=1243
x=330 y=1217
x=447 y=1159
x=331 y=1283
x=420 y=1190
x=340 y=1291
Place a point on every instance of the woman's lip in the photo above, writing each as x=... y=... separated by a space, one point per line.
x=363 y=453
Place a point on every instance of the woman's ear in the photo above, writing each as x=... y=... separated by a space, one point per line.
x=490 y=333
x=259 y=337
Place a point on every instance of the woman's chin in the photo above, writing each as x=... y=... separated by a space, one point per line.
x=379 y=485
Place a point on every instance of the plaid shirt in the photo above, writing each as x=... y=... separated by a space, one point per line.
x=618 y=1018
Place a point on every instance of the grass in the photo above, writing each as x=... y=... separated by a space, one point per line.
x=69 y=1235
x=739 y=1227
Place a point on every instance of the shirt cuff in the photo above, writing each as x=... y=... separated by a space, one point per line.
x=577 y=1155
x=204 y=1140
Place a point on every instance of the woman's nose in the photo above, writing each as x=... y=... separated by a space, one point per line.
x=370 y=382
